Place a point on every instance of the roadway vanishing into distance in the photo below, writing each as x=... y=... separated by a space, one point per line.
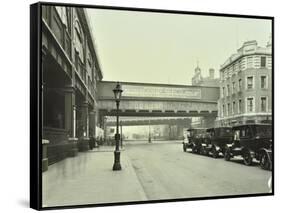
x=166 y=172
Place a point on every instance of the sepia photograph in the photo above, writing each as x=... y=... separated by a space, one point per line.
x=142 y=106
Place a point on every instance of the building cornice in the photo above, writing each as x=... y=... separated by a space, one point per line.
x=226 y=64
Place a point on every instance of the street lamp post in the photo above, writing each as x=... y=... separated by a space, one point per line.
x=149 y=133
x=121 y=129
x=117 y=94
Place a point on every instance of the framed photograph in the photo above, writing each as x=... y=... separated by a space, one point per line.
x=135 y=106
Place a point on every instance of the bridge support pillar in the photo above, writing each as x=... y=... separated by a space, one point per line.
x=208 y=122
x=104 y=128
x=179 y=131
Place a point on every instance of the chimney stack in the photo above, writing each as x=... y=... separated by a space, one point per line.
x=211 y=73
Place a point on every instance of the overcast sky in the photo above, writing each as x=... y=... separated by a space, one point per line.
x=164 y=48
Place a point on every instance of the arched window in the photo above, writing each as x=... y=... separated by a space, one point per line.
x=62 y=14
x=78 y=30
x=79 y=39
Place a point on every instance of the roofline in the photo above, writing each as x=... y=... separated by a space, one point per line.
x=160 y=84
x=91 y=37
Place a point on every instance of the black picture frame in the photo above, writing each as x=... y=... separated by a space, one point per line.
x=36 y=88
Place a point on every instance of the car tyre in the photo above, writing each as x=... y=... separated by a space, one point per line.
x=184 y=148
x=202 y=151
x=264 y=161
x=215 y=153
x=227 y=155
x=194 y=150
x=248 y=160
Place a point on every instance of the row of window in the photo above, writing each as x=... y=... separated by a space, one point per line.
x=249 y=107
x=249 y=85
x=248 y=62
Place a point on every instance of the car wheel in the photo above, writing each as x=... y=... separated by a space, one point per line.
x=202 y=151
x=184 y=148
x=248 y=160
x=215 y=153
x=227 y=155
x=193 y=149
x=264 y=161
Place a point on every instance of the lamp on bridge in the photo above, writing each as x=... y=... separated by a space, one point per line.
x=149 y=132
x=117 y=94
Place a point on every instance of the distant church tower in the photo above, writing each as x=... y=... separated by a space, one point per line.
x=209 y=81
x=197 y=78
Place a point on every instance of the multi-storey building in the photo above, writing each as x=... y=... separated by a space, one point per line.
x=70 y=74
x=245 y=86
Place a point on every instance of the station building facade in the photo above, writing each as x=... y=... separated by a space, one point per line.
x=245 y=86
x=70 y=73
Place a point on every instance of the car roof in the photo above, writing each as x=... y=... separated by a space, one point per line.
x=195 y=129
x=258 y=124
x=222 y=127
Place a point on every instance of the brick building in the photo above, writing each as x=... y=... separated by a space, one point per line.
x=245 y=86
x=70 y=74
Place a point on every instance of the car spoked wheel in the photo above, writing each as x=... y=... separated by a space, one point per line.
x=215 y=153
x=227 y=155
x=264 y=161
x=193 y=149
x=203 y=151
x=248 y=160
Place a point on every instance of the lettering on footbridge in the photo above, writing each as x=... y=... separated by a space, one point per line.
x=161 y=92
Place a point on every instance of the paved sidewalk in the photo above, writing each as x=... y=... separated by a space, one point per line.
x=89 y=179
x=106 y=149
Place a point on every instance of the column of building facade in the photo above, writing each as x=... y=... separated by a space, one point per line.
x=45 y=142
x=70 y=118
x=84 y=141
x=92 y=123
x=92 y=127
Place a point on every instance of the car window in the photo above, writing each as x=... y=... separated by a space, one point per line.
x=247 y=131
x=237 y=134
x=243 y=132
x=225 y=132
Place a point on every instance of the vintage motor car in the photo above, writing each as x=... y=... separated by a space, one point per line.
x=216 y=140
x=251 y=141
x=195 y=137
